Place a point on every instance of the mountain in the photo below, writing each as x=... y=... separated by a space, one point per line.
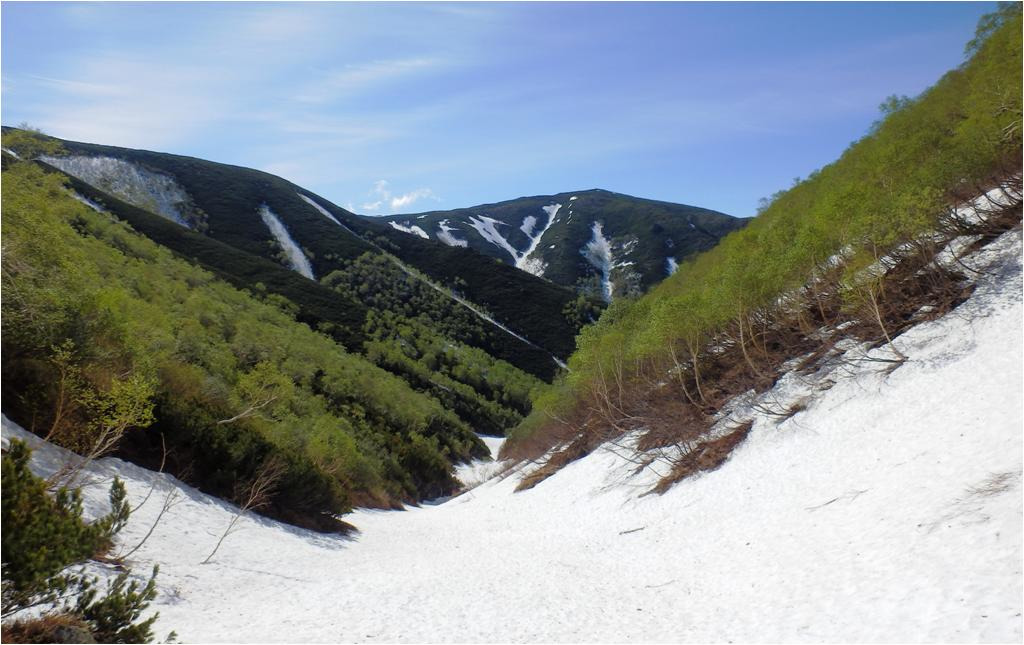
x=254 y=228
x=601 y=243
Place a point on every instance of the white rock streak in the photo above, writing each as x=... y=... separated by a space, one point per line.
x=297 y=260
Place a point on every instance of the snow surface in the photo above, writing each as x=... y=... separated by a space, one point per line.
x=889 y=510
x=297 y=260
x=445 y=235
x=155 y=192
x=413 y=229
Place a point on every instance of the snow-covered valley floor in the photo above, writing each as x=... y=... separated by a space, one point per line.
x=890 y=509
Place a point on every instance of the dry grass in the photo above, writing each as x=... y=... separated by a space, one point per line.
x=704 y=457
x=49 y=628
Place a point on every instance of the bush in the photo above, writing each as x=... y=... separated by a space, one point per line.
x=43 y=536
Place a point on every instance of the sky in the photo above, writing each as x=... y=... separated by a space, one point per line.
x=408 y=107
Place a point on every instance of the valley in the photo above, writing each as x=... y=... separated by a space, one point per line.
x=235 y=411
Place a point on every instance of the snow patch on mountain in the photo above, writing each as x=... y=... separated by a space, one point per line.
x=320 y=209
x=412 y=229
x=445 y=235
x=297 y=260
x=487 y=227
x=529 y=264
x=152 y=191
x=528 y=223
x=88 y=202
x=326 y=213
x=598 y=252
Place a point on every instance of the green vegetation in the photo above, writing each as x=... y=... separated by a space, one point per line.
x=105 y=330
x=526 y=304
x=958 y=139
x=44 y=535
x=430 y=340
x=345 y=301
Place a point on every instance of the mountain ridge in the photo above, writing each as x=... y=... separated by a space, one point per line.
x=599 y=242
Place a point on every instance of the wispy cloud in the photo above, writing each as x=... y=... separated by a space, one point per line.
x=357 y=77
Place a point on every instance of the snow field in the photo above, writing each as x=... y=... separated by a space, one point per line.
x=888 y=510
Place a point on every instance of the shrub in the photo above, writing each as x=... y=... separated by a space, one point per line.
x=43 y=536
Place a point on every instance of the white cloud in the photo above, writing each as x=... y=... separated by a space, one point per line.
x=386 y=198
x=401 y=201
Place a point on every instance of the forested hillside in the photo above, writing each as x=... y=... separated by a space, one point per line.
x=106 y=334
x=229 y=218
x=846 y=253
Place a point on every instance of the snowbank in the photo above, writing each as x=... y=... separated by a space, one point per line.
x=887 y=510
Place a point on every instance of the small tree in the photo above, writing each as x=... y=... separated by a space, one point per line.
x=44 y=535
x=255 y=495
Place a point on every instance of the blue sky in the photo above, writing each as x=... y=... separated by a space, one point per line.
x=408 y=107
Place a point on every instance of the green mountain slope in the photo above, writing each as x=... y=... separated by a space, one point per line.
x=847 y=253
x=106 y=332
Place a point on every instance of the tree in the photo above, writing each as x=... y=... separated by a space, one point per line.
x=44 y=535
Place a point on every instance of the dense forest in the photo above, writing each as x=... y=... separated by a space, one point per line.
x=728 y=318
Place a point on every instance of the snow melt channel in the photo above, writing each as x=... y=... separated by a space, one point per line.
x=297 y=260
